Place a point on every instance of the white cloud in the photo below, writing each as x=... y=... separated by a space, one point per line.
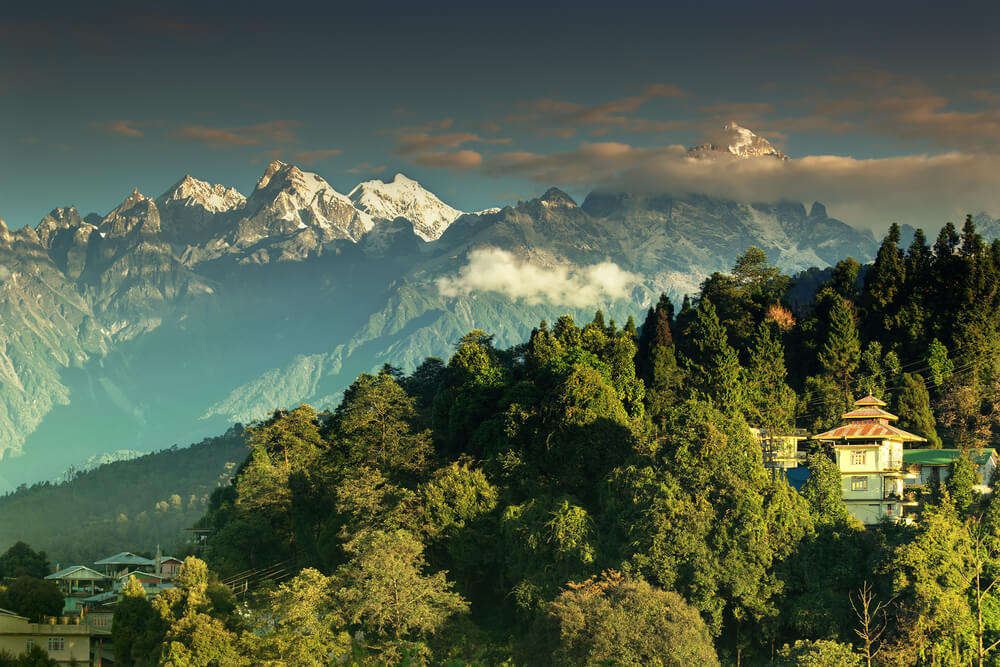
x=494 y=270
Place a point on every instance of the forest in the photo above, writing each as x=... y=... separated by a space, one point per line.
x=595 y=494
x=122 y=506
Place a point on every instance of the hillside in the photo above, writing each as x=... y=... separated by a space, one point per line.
x=123 y=506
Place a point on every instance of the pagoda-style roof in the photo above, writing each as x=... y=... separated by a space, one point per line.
x=868 y=431
x=870 y=400
x=869 y=413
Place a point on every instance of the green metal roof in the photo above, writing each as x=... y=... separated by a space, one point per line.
x=943 y=457
x=77 y=572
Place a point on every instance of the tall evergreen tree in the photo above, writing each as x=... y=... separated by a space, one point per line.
x=713 y=369
x=913 y=406
x=770 y=401
x=881 y=298
x=841 y=353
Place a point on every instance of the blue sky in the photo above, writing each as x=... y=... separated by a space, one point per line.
x=890 y=110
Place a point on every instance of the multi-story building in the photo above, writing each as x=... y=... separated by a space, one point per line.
x=65 y=640
x=869 y=453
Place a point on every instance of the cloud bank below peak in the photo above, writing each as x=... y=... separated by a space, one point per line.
x=921 y=189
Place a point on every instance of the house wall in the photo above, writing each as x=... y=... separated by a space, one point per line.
x=873 y=490
x=873 y=513
x=15 y=633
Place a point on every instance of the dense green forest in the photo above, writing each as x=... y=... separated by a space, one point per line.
x=594 y=495
x=123 y=506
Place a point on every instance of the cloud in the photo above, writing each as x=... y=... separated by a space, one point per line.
x=921 y=189
x=124 y=128
x=561 y=118
x=422 y=142
x=458 y=160
x=428 y=146
x=366 y=168
x=901 y=106
x=275 y=131
x=493 y=270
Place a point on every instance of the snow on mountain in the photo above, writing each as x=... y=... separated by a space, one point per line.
x=405 y=198
x=287 y=199
x=138 y=213
x=740 y=142
x=213 y=198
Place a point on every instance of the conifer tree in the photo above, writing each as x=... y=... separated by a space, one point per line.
x=840 y=354
x=657 y=359
x=881 y=299
x=913 y=406
x=543 y=348
x=845 y=278
x=770 y=402
x=713 y=368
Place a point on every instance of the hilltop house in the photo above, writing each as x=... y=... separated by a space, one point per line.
x=933 y=466
x=869 y=453
x=76 y=583
x=66 y=643
x=115 y=566
x=780 y=451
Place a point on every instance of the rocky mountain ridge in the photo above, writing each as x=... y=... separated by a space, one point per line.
x=169 y=318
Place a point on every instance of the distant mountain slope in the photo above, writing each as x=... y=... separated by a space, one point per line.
x=123 y=506
x=671 y=242
x=171 y=317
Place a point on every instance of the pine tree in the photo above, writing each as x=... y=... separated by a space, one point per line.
x=881 y=299
x=845 y=278
x=657 y=359
x=770 y=402
x=840 y=354
x=713 y=368
x=913 y=406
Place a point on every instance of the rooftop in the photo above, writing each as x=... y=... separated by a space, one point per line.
x=125 y=558
x=869 y=412
x=870 y=400
x=868 y=431
x=77 y=572
x=943 y=457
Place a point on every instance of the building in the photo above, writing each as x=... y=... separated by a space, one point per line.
x=781 y=451
x=933 y=466
x=66 y=643
x=869 y=453
x=153 y=584
x=115 y=566
x=76 y=583
x=168 y=566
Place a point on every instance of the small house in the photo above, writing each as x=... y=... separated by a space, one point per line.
x=77 y=582
x=869 y=452
x=933 y=466
x=125 y=561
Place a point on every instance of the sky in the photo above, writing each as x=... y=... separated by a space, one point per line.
x=890 y=111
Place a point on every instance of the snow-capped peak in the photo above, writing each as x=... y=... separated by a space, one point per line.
x=404 y=197
x=740 y=142
x=190 y=191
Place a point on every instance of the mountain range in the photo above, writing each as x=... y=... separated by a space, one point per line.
x=169 y=318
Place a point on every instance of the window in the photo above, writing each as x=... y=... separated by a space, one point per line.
x=859 y=484
x=57 y=644
x=858 y=458
x=29 y=644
